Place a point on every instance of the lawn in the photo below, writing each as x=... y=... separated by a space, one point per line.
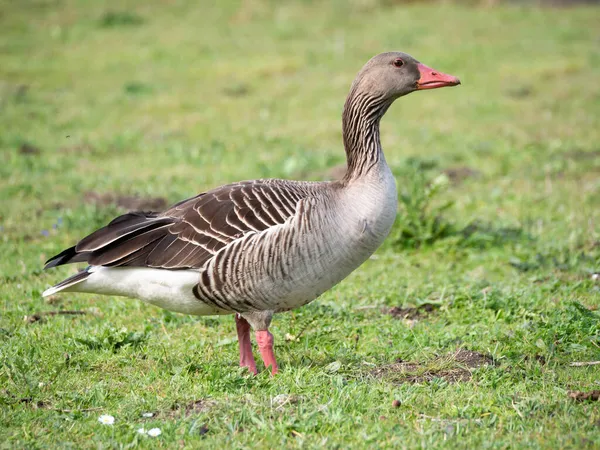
x=460 y=332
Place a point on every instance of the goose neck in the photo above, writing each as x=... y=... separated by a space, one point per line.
x=360 y=127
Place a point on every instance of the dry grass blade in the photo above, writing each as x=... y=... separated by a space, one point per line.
x=584 y=363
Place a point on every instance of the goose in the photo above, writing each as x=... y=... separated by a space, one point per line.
x=260 y=247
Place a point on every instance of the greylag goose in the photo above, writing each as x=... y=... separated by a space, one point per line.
x=255 y=248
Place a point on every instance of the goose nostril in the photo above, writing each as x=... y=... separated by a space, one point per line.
x=434 y=73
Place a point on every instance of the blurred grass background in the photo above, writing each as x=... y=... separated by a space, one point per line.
x=101 y=102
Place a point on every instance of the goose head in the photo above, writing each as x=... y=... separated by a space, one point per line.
x=394 y=74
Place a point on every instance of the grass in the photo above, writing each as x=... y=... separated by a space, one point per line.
x=166 y=99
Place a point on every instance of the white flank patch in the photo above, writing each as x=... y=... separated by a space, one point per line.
x=169 y=289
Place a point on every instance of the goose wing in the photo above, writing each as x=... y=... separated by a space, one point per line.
x=191 y=232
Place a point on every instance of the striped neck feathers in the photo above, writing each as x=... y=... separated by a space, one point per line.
x=360 y=128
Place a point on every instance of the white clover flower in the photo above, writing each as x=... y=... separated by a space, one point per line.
x=105 y=419
x=141 y=431
x=153 y=432
x=148 y=414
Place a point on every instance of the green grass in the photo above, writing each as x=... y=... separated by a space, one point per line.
x=167 y=99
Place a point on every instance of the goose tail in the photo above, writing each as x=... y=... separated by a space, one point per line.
x=66 y=284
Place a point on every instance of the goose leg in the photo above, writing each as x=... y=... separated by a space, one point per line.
x=264 y=340
x=243 y=332
x=260 y=321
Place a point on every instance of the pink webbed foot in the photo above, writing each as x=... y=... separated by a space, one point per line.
x=243 y=332
x=265 y=345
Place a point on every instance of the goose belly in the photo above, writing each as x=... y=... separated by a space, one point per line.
x=168 y=289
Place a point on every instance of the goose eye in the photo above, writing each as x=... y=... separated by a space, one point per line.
x=398 y=62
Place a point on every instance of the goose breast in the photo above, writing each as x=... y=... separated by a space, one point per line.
x=291 y=264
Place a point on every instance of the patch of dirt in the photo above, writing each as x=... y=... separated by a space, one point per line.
x=18 y=91
x=412 y=313
x=545 y=3
x=29 y=149
x=37 y=317
x=237 y=90
x=188 y=409
x=566 y=3
x=581 y=155
x=539 y=358
x=39 y=404
x=453 y=367
x=128 y=202
x=457 y=175
x=77 y=149
x=579 y=396
x=11 y=399
x=112 y=19
x=520 y=91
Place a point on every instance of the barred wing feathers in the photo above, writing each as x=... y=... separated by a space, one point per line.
x=191 y=232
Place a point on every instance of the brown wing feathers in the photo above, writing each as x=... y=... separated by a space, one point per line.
x=191 y=232
x=115 y=242
x=130 y=223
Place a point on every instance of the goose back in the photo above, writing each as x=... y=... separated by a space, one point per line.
x=191 y=232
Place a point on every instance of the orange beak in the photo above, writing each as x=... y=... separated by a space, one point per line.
x=432 y=79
